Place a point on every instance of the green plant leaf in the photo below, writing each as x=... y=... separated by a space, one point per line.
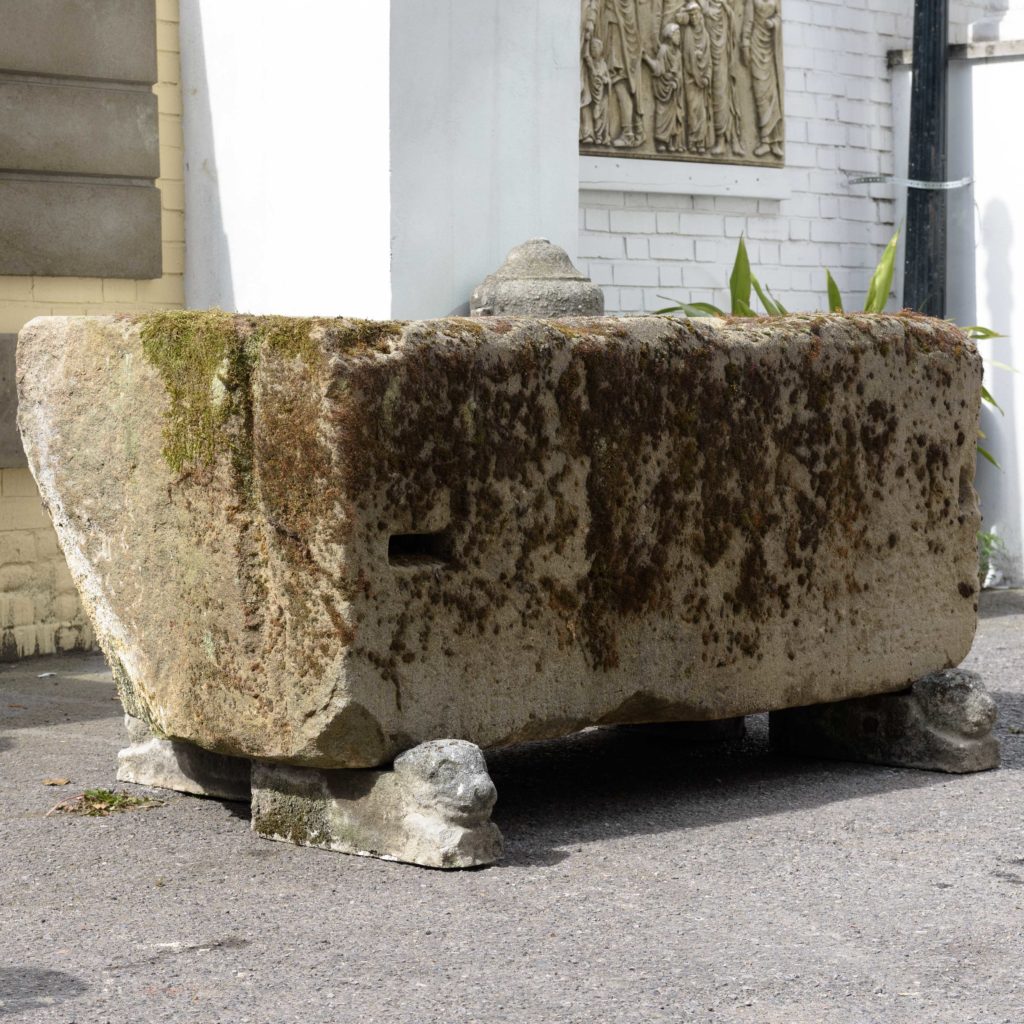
x=979 y=333
x=781 y=308
x=771 y=307
x=707 y=309
x=990 y=548
x=881 y=279
x=739 y=282
x=1003 y=366
x=986 y=396
x=835 y=299
x=988 y=456
x=696 y=309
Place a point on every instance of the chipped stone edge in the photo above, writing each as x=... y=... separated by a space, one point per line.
x=110 y=631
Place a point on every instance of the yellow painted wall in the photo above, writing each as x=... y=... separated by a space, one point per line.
x=39 y=609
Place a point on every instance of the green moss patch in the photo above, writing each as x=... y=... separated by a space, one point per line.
x=208 y=359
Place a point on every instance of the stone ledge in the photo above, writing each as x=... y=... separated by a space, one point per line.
x=615 y=174
x=107 y=39
x=55 y=228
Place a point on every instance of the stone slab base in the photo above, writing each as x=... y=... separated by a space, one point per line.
x=942 y=723
x=184 y=767
x=431 y=809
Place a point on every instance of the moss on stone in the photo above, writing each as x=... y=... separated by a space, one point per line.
x=295 y=818
x=712 y=505
x=208 y=358
x=655 y=462
x=195 y=354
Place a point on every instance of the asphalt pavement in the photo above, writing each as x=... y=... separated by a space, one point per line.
x=643 y=882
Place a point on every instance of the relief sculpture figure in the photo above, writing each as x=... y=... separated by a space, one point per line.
x=723 y=32
x=682 y=79
x=595 y=82
x=696 y=78
x=758 y=49
x=619 y=26
x=667 y=74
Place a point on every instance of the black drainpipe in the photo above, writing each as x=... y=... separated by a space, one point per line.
x=924 y=274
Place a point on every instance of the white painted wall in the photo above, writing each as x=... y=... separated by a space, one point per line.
x=374 y=159
x=287 y=159
x=679 y=239
x=986 y=264
x=484 y=104
x=986 y=275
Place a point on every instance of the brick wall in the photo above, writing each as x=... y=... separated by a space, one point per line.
x=39 y=608
x=641 y=247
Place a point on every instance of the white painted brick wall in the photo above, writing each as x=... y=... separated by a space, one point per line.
x=649 y=249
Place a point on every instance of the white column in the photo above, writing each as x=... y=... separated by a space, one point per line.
x=374 y=159
x=484 y=152
x=997 y=275
x=986 y=265
x=286 y=156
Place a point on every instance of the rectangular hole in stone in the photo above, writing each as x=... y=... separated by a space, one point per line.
x=411 y=549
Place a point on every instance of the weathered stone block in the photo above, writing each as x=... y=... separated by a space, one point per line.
x=149 y=760
x=943 y=723
x=323 y=542
x=110 y=39
x=432 y=809
x=56 y=228
x=69 y=128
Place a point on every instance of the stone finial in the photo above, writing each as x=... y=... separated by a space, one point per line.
x=537 y=279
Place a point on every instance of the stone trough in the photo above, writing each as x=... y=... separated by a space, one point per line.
x=316 y=546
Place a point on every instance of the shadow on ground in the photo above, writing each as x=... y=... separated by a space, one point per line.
x=607 y=783
x=29 y=988
x=599 y=784
x=56 y=691
x=996 y=603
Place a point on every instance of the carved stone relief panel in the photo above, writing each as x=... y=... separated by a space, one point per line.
x=682 y=80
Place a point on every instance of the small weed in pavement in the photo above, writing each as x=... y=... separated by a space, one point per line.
x=97 y=803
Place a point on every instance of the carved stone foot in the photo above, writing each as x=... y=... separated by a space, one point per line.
x=943 y=723
x=433 y=808
x=694 y=733
x=172 y=764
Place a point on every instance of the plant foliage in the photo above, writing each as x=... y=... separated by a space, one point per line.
x=742 y=281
